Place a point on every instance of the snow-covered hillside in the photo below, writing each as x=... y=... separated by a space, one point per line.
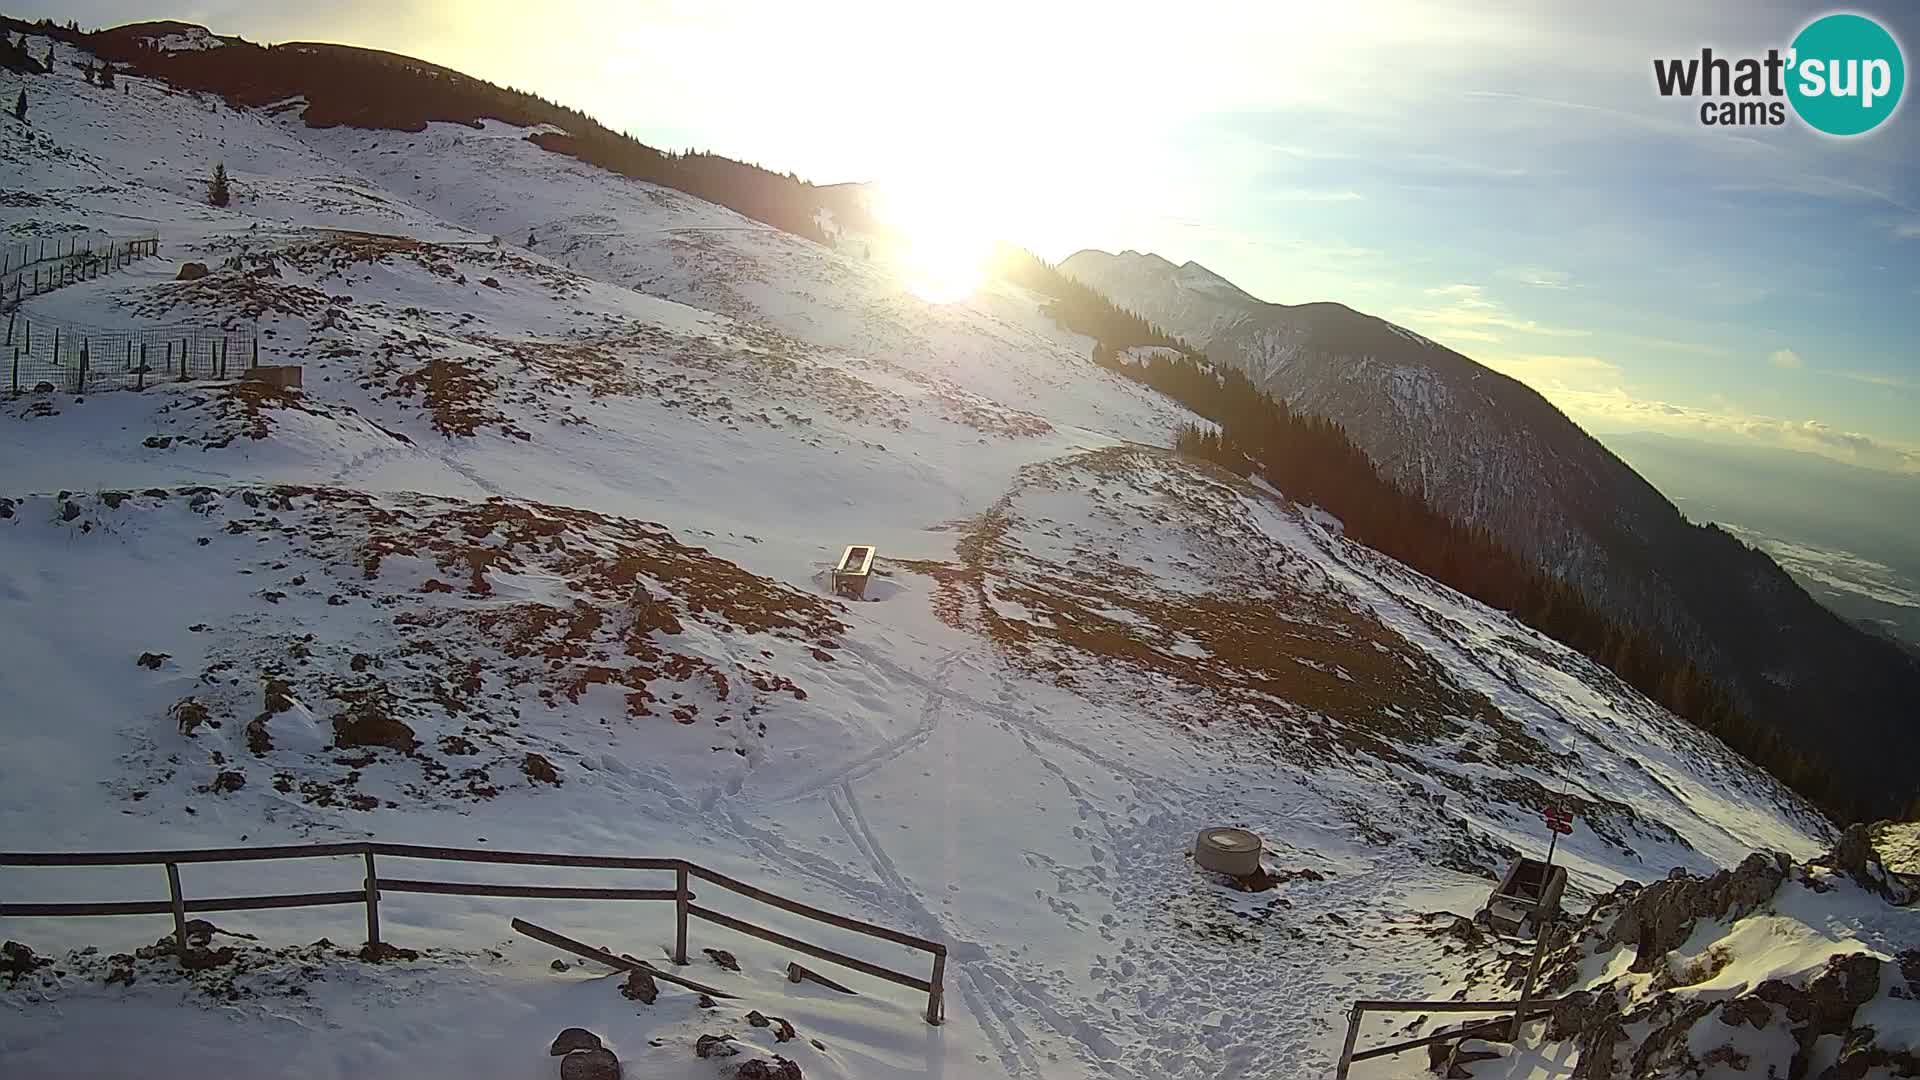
x=537 y=561
x=1487 y=449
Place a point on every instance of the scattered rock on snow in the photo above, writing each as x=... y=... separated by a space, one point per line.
x=709 y=1046
x=722 y=957
x=539 y=769
x=639 y=987
x=17 y=960
x=774 y=1068
x=152 y=660
x=191 y=271
x=188 y=713
x=571 y=1039
x=560 y=965
x=379 y=952
x=596 y=1064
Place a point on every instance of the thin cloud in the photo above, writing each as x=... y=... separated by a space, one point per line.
x=1464 y=312
x=1616 y=409
x=1785 y=360
x=1539 y=278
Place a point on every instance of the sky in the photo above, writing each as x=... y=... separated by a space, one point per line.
x=1503 y=178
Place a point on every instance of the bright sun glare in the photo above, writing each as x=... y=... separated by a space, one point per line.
x=944 y=239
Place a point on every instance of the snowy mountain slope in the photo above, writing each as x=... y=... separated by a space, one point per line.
x=1486 y=449
x=527 y=497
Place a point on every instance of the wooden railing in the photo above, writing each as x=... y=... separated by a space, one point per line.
x=1504 y=1028
x=373 y=885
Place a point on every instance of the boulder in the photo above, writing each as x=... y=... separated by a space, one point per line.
x=539 y=769
x=712 y=1046
x=571 y=1039
x=773 y=1068
x=17 y=960
x=596 y=1064
x=639 y=987
x=192 y=271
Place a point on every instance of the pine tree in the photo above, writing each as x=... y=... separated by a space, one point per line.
x=217 y=193
x=20 y=107
x=106 y=76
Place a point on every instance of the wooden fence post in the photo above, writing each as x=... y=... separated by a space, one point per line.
x=179 y=911
x=680 y=903
x=373 y=904
x=16 y=373
x=937 y=990
x=1353 y=1035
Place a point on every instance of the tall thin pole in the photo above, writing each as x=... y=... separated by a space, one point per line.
x=1539 y=941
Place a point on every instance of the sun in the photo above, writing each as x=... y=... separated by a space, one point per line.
x=943 y=239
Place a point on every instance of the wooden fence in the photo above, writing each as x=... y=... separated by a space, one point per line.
x=1499 y=1029
x=373 y=885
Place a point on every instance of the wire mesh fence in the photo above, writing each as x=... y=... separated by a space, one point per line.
x=31 y=268
x=41 y=357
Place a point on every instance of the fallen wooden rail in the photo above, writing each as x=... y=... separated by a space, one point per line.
x=1497 y=1028
x=618 y=963
x=372 y=885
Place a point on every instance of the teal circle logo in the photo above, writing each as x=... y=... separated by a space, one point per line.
x=1845 y=74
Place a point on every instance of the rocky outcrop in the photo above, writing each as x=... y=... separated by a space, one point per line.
x=1856 y=857
x=1659 y=918
x=1651 y=1027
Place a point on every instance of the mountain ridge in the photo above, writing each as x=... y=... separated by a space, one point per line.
x=1488 y=450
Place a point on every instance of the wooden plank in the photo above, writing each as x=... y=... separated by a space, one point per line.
x=279 y=900
x=521 y=858
x=561 y=941
x=554 y=892
x=819 y=915
x=179 y=910
x=1489 y=1031
x=195 y=855
x=815 y=951
x=1444 y=1006
x=937 y=997
x=163 y=907
x=131 y=907
x=373 y=902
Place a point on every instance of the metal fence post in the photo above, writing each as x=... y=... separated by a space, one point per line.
x=937 y=990
x=179 y=911
x=16 y=373
x=373 y=903
x=680 y=904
